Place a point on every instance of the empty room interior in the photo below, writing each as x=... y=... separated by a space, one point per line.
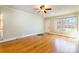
x=39 y=28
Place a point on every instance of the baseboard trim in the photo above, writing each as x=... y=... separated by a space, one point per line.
x=15 y=38
x=61 y=35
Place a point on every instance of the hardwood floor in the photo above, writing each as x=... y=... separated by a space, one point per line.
x=31 y=44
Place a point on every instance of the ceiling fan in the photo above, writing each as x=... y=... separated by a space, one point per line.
x=43 y=9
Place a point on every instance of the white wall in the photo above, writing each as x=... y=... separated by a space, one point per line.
x=18 y=23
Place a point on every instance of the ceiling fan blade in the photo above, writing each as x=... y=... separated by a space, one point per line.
x=48 y=9
x=45 y=12
x=42 y=6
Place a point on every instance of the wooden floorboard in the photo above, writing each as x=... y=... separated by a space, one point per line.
x=31 y=44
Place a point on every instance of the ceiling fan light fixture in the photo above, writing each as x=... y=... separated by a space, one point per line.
x=43 y=8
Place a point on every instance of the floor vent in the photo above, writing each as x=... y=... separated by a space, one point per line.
x=40 y=34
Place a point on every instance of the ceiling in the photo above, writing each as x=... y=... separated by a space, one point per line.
x=56 y=9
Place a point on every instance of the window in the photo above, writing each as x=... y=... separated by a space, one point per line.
x=59 y=25
x=1 y=27
x=1 y=24
x=70 y=24
x=66 y=24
